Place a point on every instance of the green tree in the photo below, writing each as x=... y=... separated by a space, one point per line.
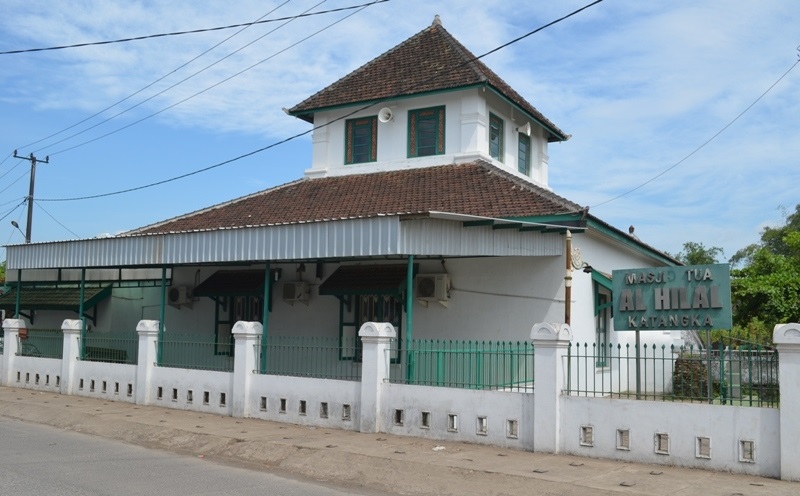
x=698 y=254
x=3 y=272
x=766 y=289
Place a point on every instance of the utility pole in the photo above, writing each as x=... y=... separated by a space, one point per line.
x=33 y=161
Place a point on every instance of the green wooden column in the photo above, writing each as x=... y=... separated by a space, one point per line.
x=160 y=349
x=19 y=293
x=265 y=319
x=409 y=318
x=80 y=314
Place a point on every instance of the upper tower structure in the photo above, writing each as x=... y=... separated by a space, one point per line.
x=426 y=102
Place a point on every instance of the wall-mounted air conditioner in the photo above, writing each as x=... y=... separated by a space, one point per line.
x=179 y=296
x=432 y=287
x=296 y=291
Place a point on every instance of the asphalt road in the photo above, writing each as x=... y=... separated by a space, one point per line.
x=37 y=460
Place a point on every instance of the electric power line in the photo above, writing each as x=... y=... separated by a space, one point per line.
x=56 y=220
x=286 y=140
x=144 y=88
x=212 y=86
x=164 y=91
x=174 y=33
x=709 y=140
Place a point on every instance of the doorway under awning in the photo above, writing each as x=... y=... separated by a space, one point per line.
x=54 y=298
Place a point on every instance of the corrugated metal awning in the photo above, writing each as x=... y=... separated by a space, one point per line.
x=365 y=280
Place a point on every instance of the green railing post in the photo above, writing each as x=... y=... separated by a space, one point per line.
x=80 y=314
x=19 y=294
x=409 y=318
x=265 y=319
x=160 y=348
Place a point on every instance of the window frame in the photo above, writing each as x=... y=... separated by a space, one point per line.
x=496 y=122
x=436 y=114
x=351 y=125
x=524 y=167
x=602 y=312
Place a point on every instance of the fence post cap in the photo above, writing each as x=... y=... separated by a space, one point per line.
x=244 y=328
x=147 y=326
x=786 y=333
x=72 y=325
x=377 y=330
x=551 y=332
x=14 y=324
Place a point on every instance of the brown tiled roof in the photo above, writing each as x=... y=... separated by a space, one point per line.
x=431 y=60
x=476 y=188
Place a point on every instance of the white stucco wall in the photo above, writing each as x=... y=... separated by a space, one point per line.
x=466 y=135
x=111 y=381
x=26 y=370
x=198 y=382
x=292 y=390
x=496 y=407
x=726 y=426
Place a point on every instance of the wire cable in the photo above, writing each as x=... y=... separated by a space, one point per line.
x=286 y=140
x=174 y=33
x=161 y=93
x=146 y=87
x=36 y=202
x=709 y=140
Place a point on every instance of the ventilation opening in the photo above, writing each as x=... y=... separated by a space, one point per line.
x=662 y=443
x=36 y=381
x=175 y=394
x=624 y=439
x=130 y=389
x=452 y=422
x=206 y=397
x=160 y=393
x=345 y=412
x=587 y=435
x=189 y=396
x=512 y=428
x=303 y=409
x=80 y=384
x=747 y=451
x=323 y=410
x=116 y=388
x=91 y=386
x=222 y=399
x=482 y=427
x=283 y=406
x=399 y=417
x=703 y=447
x=425 y=421
x=263 y=404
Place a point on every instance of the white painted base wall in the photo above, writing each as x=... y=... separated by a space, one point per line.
x=724 y=425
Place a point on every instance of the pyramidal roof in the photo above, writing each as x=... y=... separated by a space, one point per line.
x=431 y=60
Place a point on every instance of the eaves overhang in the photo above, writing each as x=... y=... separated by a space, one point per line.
x=424 y=234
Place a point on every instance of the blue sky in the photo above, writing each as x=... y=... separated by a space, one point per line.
x=638 y=85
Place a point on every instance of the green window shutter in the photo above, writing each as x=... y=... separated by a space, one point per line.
x=524 y=154
x=361 y=140
x=426 y=132
x=495 y=137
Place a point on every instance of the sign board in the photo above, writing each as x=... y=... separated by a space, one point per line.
x=672 y=298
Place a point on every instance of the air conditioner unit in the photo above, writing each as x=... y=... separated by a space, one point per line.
x=178 y=296
x=296 y=291
x=432 y=287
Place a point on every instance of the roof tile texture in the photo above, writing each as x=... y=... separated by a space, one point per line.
x=476 y=188
x=431 y=60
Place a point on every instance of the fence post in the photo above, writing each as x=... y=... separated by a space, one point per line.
x=148 y=337
x=70 y=353
x=550 y=345
x=375 y=338
x=787 y=340
x=246 y=336
x=11 y=329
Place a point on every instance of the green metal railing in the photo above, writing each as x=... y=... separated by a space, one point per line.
x=195 y=351
x=496 y=365
x=112 y=347
x=44 y=343
x=744 y=377
x=309 y=356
